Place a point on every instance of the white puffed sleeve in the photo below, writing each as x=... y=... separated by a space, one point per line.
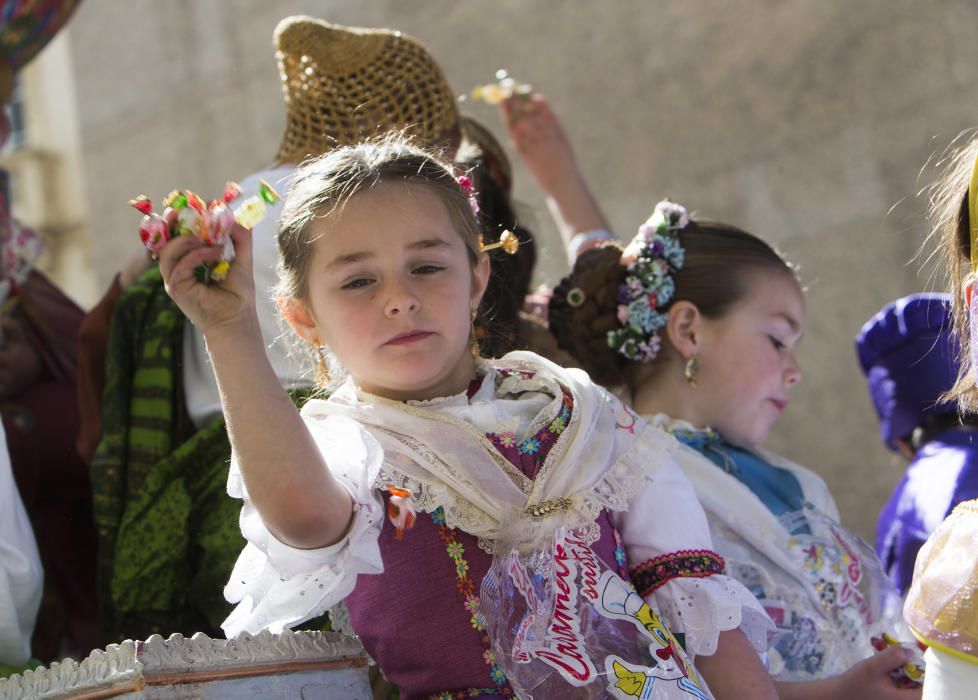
x=277 y=586
x=674 y=567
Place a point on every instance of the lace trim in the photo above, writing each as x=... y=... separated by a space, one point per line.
x=688 y=563
x=613 y=491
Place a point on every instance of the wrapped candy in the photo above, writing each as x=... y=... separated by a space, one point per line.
x=252 y=210
x=503 y=88
x=911 y=674
x=186 y=214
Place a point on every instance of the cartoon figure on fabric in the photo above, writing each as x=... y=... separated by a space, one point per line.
x=618 y=599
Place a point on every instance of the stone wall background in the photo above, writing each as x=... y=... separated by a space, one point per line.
x=806 y=122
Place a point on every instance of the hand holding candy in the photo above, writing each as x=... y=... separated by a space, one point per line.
x=910 y=674
x=872 y=678
x=228 y=306
x=187 y=215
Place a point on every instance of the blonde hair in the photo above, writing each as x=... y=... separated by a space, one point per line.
x=322 y=186
x=950 y=224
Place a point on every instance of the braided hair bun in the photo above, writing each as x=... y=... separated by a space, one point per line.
x=580 y=325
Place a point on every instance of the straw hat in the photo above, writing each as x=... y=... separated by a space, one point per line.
x=345 y=84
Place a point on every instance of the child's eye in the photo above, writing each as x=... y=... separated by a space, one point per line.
x=777 y=343
x=358 y=283
x=428 y=269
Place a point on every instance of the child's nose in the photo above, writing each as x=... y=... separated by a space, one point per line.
x=792 y=373
x=402 y=300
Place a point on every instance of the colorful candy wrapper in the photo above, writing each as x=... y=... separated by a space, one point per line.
x=252 y=210
x=911 y=674
x=563 y=624
x=400 y=510
x=186 y=214
x=503 y=88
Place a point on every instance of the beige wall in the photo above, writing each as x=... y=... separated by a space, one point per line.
x=805 y=122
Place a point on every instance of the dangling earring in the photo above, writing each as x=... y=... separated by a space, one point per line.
x=474 y=338
x=322 y=366
x=691 y=370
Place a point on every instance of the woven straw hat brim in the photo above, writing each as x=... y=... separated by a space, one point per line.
x=346 y=84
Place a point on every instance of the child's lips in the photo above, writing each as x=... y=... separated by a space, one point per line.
x=780 y=404
x=408 y=337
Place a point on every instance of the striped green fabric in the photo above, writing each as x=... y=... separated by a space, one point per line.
x=168 y=531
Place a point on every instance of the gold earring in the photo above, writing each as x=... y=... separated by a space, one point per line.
x=322 y=366
x=691 y=370
x=474 y=338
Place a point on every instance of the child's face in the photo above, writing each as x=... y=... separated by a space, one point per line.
x=391 y=292
x=747 y=360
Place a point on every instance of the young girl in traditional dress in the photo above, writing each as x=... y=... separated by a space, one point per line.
x=698 y=322
x=533 y=487
x=942 y=603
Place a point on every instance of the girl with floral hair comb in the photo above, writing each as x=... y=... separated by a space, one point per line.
x=696 y=322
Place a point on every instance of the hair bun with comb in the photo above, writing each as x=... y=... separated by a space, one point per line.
x=584 y=309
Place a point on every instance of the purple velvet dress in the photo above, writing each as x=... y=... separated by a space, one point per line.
x=404 y=618
x=942 y=474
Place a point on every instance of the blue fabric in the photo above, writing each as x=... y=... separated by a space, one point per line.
x=942 y=474
x=777 y=488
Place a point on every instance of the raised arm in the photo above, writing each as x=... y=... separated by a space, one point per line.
x=541 y=143
x=286 y=476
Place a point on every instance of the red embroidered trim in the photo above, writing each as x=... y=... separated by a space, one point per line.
x=688 y=563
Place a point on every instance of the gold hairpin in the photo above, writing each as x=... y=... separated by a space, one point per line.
x=507 y=241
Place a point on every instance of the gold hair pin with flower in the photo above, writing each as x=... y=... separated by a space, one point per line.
x=507 y=241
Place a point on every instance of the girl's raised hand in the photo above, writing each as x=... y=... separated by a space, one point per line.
x=538 y=138
x=215 y=305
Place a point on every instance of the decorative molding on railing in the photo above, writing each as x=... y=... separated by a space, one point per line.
x=115 y=666
x=130 y=666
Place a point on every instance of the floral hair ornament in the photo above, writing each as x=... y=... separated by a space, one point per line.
x=186 y=214
x=465 y=182
x=653 y=256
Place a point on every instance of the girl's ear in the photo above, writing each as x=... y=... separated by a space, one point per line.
x=480 y=280
x=683 y=328
x=300 y=318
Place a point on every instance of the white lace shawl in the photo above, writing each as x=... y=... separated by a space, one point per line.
x=447 y=462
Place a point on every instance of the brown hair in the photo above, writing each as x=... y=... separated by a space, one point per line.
x=322 y=186
x=950 y=223
x=714 y=277
x=498 y=322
